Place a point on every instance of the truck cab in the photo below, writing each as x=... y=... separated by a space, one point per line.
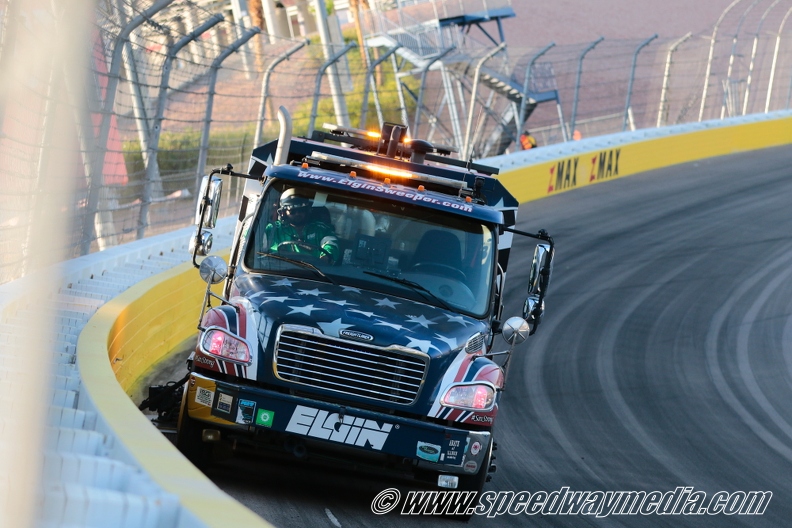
x=360 y=307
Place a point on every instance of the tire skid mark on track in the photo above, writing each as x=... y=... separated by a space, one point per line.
x=711 y=344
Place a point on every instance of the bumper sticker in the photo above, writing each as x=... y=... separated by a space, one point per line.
x=246 y=410
x=430 y=452
x=224 y=402
x=264 y=417
x=204 y=397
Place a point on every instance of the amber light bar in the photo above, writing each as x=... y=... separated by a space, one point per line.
x=388 y=171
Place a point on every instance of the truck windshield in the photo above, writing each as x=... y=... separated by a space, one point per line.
x=353 y=240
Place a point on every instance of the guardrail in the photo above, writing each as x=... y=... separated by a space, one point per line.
x=105 y=455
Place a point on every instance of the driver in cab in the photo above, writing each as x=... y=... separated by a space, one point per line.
x=295 y=231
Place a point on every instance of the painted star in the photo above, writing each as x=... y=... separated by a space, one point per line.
x=385 y=302
x=316 y=292
x=423 y=321
x=361 y=312
x=351 y=289
x=342 y=302
x=457 y=319
x=304 y=309
x=277 y=299
x=333 y=328
x=451 y=341
x=421 y=345
x=283 y=282
x=391 y=325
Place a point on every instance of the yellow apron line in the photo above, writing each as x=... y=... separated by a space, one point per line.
x=120 y=330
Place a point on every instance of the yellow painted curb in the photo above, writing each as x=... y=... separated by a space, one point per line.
x=134 y=330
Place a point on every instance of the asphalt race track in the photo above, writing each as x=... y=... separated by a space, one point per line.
x=664 y=360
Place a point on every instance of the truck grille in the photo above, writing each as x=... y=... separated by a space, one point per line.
x=392 y=374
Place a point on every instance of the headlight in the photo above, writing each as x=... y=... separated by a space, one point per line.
x=220 y=343
x=472 y=397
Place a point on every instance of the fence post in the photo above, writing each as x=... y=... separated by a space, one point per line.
x=265 y=88
x=666 y=76
x=577 y=82
x=627 y=107
x=775 y=60
x=711 y=52
x=369 y=76
x=753 y=56
x=526 y=83
x=153 y=176
x=315 y=104
x=339 y=103
x=214 y=68
x=113 y=77
x=466 y=150
x=727 y=82
x=424 y=71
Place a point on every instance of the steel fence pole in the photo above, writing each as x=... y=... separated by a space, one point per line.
x=422 y=88
x=339 y=102
x=466 y=149
x=370 y=78
x=627 y=107
x=711 y=53
x=590 y=47
x=753 y=57
x=113 y=77
x=526 y=83
x=727 y=92
x=775 y=60
x=153 y=176
x=214 y=69
x=315 y=104
x=662 y=110
x=265 y=88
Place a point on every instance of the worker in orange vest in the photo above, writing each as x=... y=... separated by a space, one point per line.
x=527 y=141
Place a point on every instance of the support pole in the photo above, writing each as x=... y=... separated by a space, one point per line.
x=590 y=47
x=214 y=69
x=627 y=107
x=315 y=105
x=663 y=109
x=339 y=102
x=526 y=83
x=369 y=79
x=466 y=151
x=775 y=60
x=424 y=71
x=753 y=57
x=727 y=92
x=709 y=59
x=153 y=176
x=265 y=88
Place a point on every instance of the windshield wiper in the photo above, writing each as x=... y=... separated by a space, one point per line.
x=302 y=264
x=414 y=285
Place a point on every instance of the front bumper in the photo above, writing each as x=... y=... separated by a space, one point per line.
x=249 y=409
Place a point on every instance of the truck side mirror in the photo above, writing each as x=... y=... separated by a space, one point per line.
x=515 y=330
x=532 y=311
x=201 y=243
x=213 y=270
x=212 y=205
x=541 y=268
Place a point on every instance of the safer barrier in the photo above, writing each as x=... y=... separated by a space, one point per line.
x=117 y=347
x=148 y=320
x=545 y=171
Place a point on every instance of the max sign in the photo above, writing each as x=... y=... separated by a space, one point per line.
x=564 y=174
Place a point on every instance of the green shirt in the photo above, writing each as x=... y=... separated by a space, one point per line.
x=317 y=234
